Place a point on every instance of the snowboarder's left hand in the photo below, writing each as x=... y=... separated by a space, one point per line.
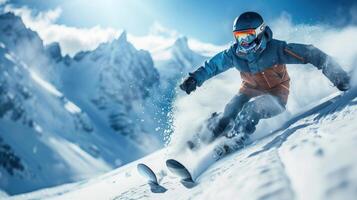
x=189 y=84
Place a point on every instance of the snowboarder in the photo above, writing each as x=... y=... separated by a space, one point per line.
x=261 y=61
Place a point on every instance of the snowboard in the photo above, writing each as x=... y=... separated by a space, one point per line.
x=149 y=174
x=175 y=167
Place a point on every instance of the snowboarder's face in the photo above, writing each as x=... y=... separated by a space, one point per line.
x=249 y=40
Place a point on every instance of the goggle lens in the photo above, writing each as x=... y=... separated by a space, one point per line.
x=243 y=34
x=245 y=37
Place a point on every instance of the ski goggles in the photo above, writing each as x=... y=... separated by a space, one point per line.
x=246 y=37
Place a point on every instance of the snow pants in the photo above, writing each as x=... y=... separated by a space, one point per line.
x=246 y=112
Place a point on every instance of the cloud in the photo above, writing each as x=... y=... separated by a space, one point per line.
x=206 y=49
x=2 y=2
x=157 y=41
x=160 y=30
x=160 y=39
x=308 y=85
x=71 y=39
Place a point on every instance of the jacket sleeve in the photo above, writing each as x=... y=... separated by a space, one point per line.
x=301 y=54
x=217 y=64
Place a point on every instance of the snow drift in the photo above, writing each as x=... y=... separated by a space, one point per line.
x=309 y=157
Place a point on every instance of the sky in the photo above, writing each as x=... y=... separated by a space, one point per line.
x=208 y=21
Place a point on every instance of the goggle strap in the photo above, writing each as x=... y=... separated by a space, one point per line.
x=260 y=29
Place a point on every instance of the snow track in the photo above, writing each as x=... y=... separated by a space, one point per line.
x=309 y=158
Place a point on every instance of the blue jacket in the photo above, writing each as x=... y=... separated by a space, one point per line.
x=276 y=52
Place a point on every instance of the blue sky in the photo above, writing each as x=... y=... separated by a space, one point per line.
x=209 y=21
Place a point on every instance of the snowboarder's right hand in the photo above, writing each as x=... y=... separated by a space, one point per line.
x=189 y=84
x=343 y=84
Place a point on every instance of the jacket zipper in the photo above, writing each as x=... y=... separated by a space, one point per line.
x=266 y=80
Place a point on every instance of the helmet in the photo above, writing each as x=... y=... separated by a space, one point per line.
x=247 y=20
x=248 y=31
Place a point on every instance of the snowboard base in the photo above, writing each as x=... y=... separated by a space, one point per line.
x=146 y=172
x=188 y=183
x=181 y=171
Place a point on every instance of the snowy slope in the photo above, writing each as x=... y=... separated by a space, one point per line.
x=309 y=157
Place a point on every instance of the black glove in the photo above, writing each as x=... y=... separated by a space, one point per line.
x=189 y=84
x=343 y=84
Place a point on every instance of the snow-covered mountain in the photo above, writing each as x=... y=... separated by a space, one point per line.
x=63 y=119
x=39 y=126
x=113 y=84
x=178 y=59
x=308 y=157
